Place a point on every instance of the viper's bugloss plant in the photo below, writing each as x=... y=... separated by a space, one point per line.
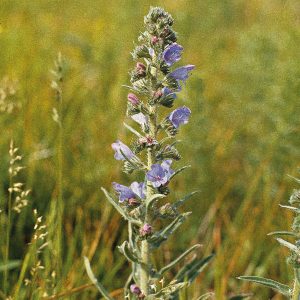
x=291 y=292
x=155 y=83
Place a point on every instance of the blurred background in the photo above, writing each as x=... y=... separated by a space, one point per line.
x=242 y=140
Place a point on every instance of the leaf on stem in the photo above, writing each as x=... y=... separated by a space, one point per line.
x=179 y=171
x=127 y=252
x=178 y=259
x=190 y=271
x=94 y=280
x=159 y=237
x=277 y=286
x=119 y=208
x=181 y=201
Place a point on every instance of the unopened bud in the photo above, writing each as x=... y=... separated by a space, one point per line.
x=140 y=69
x=154 y=40
x=146 y=230
x=133 y=99
x=158 y=94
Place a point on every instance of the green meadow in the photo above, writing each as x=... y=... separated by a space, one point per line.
x=242 y=140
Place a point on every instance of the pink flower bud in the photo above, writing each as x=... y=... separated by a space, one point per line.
x=154 y=40
x=140 y=69
x=133 y=99
x=158 y=94
x=146 y=230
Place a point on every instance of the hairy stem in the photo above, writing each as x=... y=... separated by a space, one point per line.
x=145 y=253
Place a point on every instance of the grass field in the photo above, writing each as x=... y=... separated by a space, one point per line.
x=242 y=139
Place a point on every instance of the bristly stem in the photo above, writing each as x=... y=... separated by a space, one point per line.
x=145 y=252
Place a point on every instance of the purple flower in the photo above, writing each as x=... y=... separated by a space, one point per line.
x=168 y=93
x=135 y=289
x=179 y=116
x=139 y=189
x=166 y=165
x=135 y=190
x=125 y=193
x=119 y=147
x=133 y=99
x=140 y=118
x=160 y=174
x=172 y=54
x=182 y=73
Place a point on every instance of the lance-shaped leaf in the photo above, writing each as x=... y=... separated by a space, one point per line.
x=119 y=208
x=288 y=233
x=153 y=198
x=127 y=252
x=94 y=280
x=132 y=130
x=292 y=208
x=162 y=235
x=190 y=271
x=179 y=171
x=178 y=259
x=171 y=288
x=289 y=245
x=181 y=201
x=277 y=286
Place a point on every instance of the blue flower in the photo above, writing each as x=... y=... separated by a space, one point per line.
x=168 y=93
x=182 y=73
x=125 y=193
x=119 y=147
x=172 y=54
x=180 y=116
x=139 y=188
x=160 y=174
x=135 y=190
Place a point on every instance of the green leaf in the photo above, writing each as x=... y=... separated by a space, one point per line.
x=181 y=201
x=162 y=235
x=154 y=197
x=179 y=171
x=289 y=233
x=292 y=208
x=190 y=271
x=127 y=252
x=132 y=130
x=277 y=286
x=94 y=280
x=12 y=264
x=119 y=208
x=171 y=288
x=178 y=259
x=289 y=245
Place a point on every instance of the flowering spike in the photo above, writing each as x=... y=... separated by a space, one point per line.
x=155 y=84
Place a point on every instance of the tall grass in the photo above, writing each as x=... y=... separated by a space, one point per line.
x=246 y=111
